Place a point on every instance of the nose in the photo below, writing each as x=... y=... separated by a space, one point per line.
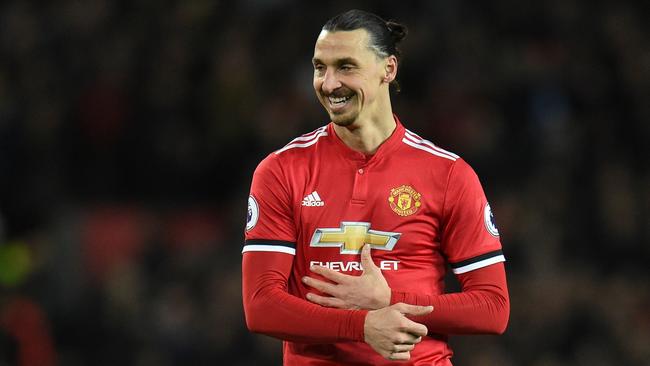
x=330 y=82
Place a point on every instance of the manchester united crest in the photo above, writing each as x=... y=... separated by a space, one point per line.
x=404 y=200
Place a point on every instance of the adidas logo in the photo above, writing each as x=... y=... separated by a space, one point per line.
x=312 y=199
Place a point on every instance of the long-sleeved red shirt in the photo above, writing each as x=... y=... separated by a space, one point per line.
x=421 y=208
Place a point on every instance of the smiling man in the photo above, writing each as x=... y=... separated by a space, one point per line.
x=362 y=183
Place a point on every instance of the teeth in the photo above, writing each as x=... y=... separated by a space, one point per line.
x=340 y=100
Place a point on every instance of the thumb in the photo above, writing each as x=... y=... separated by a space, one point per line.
x=414 y=310
x=366 y=259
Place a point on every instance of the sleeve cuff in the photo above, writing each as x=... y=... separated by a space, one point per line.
x=358 y=322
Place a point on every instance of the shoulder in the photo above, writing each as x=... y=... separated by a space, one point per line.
x=303 y=143
x=425 y=149
x=291 y=154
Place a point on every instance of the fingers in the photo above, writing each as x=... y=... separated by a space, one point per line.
x=330 y=302
x=414 y=310
x=402 y=352
x=410 y=326
x=399 y=356
x=366 y=259
x=321 y=286
x=389 y=332
x=409 y=339
x=416 y=329
x=399 y=348
x=331 y=275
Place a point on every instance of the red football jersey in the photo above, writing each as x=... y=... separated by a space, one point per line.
x=419 y=206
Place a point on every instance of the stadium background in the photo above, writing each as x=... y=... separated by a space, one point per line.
x=129 y=131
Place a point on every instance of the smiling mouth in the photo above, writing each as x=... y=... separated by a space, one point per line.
x=337 y=102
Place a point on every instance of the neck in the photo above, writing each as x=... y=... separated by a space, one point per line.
x=367 y=133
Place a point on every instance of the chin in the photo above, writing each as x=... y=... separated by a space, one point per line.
x=343 y=121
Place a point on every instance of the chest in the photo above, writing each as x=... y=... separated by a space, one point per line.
x=394 y=204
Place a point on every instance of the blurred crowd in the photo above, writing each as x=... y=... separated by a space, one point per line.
x=129 y=131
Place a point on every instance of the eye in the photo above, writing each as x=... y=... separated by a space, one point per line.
x=346 y=67
x=319 y=69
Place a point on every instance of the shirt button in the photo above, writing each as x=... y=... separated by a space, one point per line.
x=360 y=171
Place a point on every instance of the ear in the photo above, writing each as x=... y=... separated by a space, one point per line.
x=390 y=70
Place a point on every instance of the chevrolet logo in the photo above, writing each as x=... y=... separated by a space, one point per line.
x=351 y=237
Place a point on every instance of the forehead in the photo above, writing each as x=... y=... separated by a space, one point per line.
x=342 y=44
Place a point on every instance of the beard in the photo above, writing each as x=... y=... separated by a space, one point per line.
x=343 y=120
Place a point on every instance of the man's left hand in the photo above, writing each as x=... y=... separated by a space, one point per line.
x=368 y=291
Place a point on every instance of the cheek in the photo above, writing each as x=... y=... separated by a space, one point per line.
x=365 y=89
x=317 y=85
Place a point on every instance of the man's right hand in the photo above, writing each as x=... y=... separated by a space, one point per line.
x=389 y=332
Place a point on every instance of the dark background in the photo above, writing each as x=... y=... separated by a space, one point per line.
x=129 y=131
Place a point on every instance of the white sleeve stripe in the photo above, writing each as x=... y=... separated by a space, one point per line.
x=415 y=138
x=479 y=264
x=303 y=145
x=308 y=136
x=424 y=148
x=268 y=248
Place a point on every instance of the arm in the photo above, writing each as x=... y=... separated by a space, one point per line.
x=271 y=310
x=268 y=307
x=470 y=241
x=483 y=306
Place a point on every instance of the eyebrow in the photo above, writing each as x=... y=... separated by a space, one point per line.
x=340 y=61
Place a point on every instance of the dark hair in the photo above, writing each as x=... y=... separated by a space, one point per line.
x=385 y=36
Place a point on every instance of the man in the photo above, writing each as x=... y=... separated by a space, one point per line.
x=361 y=185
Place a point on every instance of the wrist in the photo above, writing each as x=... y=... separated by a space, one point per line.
x=367 y=323
x=383 y=299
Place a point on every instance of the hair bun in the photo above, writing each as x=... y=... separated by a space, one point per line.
x=397 y=31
